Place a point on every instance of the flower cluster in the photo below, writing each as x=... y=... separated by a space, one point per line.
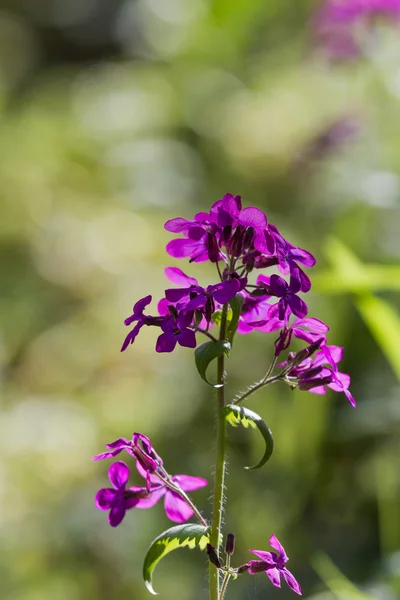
x=240 y=241
x=340 y=24
x=159 y=484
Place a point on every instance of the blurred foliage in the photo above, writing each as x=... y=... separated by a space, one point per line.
x=116 y=116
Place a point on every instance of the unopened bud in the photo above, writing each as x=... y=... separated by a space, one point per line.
x=213 y=556
x=243 y=569
x=230 y=544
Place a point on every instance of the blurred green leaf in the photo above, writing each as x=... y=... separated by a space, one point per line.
x=334 y=579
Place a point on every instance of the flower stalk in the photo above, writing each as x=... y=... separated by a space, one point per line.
x=218 y=497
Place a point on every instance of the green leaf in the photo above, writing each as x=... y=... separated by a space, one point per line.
x=236 y=415
x=208 y=352
x=236 y=305
x=189 y=534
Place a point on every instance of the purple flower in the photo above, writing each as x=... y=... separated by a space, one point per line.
x=312 y=374
x=337 y=24
x=176 y=508
x=289 y=256
x=119 y=499
x=273 y=565
x=140 y=447
x=176 y=331
x=288 y=298
x=201 y=238
x=141 y=320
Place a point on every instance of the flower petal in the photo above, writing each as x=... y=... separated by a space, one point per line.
x=252 y=217
x=178 y=277
x=183 y=248
x=177 y=509
x=291 y=581
x=274 y=576
x=166 y=342
x=278 y=285
x=130 y=338
x=187 y=338
x=189 y=483
x=303 y=257
x=178 y=225
x=118 y=474
x=276 y=545
x=104 y=498
x=297 y=306
x=225 y=291
x=150 y=500
x=117 y=512
x=268 y=557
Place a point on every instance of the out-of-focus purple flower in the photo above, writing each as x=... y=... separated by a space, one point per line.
x=338 y=23
x=273 y=565
x=176 y=508
x=119 y=499
x=176 y=331
x=141 y=319
x=288 y=298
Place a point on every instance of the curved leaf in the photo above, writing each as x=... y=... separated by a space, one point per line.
x=236 y=415
x=189 y=534
x=208 y=352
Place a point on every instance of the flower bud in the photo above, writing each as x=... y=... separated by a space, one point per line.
x=243 y=569
x=213 y=556
x=230 y=544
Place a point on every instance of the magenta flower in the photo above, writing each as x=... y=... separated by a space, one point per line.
x=139 y=447
x=313 y=375
x=119 y=499
x=338 y=23
x=176 y=508
x=273 y=565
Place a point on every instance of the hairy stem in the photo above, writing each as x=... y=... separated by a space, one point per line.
x=218 y=498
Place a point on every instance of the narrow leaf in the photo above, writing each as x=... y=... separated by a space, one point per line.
x=189 y=534
x=236 y=415
x=236 y=306
x=208 y=352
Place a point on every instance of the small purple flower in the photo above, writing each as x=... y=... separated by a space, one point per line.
x=141 y=319
x=312 y=374
x=140 y=447
x=176 y=331
x=273 y=565
x=288 y=298
x=119 y=499
x=176 y=508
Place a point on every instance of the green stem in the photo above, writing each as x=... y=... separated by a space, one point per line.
x=218 y=497
x=224 y=585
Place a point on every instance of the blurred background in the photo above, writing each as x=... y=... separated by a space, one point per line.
x=114 y=117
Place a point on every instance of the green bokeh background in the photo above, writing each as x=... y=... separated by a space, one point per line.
x=114 y=117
